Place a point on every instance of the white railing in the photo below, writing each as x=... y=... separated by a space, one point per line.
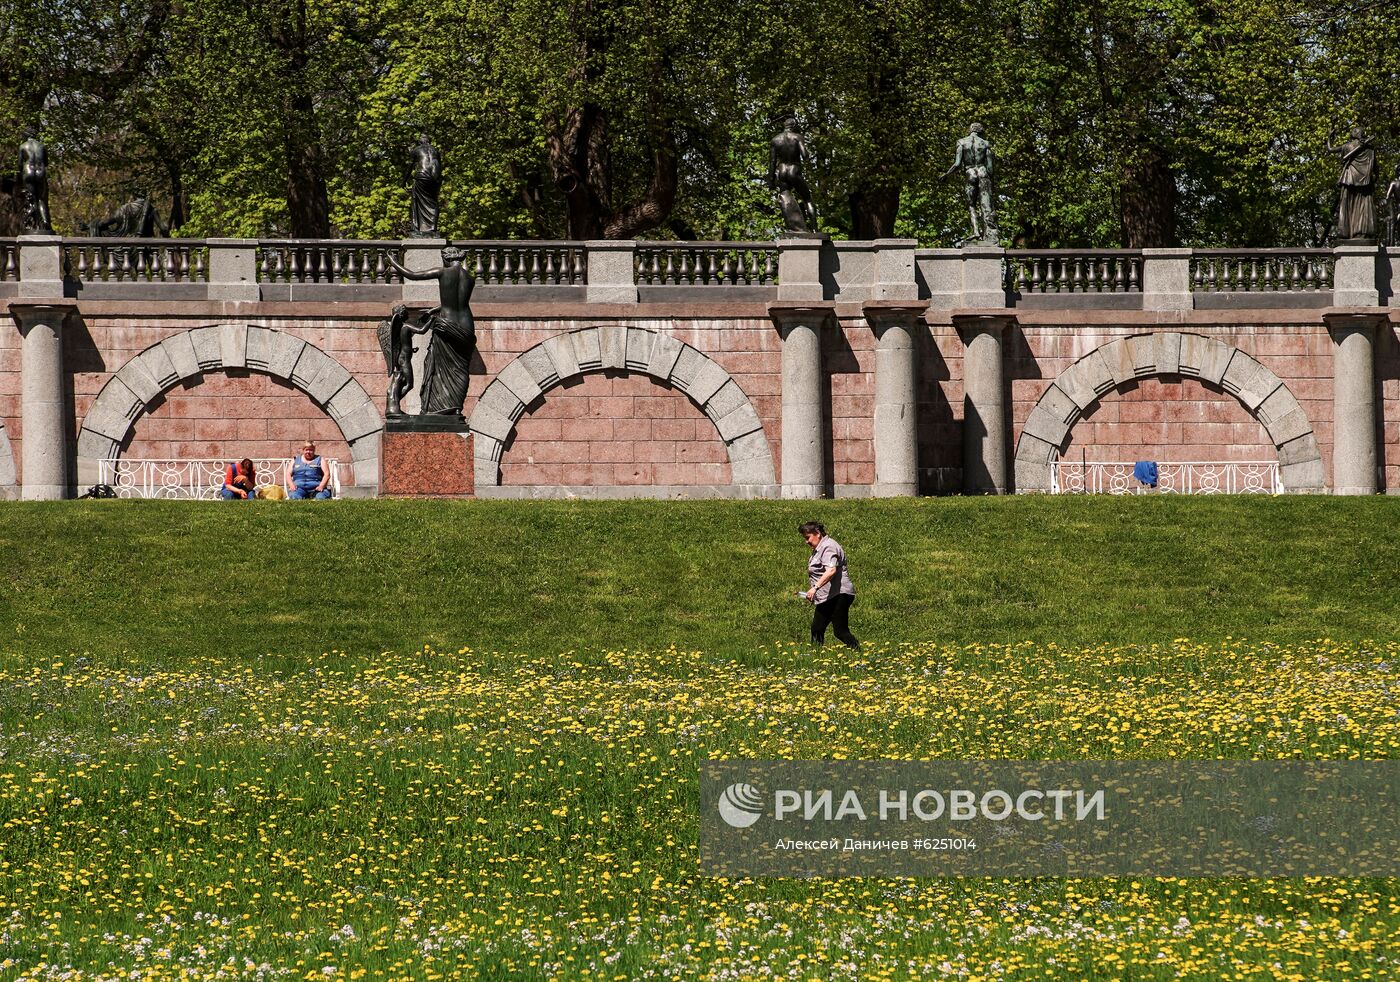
x=1185 y=477
x=195 y=480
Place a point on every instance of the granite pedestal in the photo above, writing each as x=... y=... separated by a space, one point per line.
x=426 y=457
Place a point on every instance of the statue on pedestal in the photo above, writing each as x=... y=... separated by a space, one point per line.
x=973 y=157
x=137 y=219
x=1392 y=202
x=34 y=184
x=426 y=182
x=1356 y=186
x=446 y=373
x=786 y=156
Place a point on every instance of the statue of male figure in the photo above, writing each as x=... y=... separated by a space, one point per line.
x=447 y=370
x=34 y=182
x=973 y=157
x=426 y=182
x=1391 y=200
x=135 y=219
x=786 y=156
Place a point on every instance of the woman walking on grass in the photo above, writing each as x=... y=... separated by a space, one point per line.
x=830 y=586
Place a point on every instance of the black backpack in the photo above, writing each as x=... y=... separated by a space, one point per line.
x=99 y=491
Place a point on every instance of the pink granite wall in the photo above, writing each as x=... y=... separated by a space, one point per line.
x=1171 y=418
x=615 y=429
x=1388 y=374
x=227 y=416
x=603 y=422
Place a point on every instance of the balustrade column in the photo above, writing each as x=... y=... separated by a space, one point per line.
x=418 y=255
x=804 y=401
x=40 y=267
x=1166 y=279
x=233 y=269
x=896 y=407
x=984 y=402
x=612 y=271
x=44 y=457
x=1355 y=275
x=1354 y=454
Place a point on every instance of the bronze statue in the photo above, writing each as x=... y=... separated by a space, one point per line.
x=786 y=156
x=426 y=183
x=973 y=157
x=137 y=219
x=1356 y=184
x=34 y=183
x=447 y=371
x=1392 y=202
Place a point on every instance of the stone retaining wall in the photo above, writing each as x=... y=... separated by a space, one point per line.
x=677 y=396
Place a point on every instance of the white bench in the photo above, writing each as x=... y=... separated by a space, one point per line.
x=192 y=480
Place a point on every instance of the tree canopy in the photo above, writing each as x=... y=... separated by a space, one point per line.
x=1114 y=122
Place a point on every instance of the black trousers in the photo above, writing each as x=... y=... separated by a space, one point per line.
x=834 y=610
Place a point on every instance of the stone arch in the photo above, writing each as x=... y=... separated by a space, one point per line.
x=9 y=486
x=1169 y=353
x=630 y=349
x=190 y=354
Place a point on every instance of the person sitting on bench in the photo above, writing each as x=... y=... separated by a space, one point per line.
x=307 y=476
x=240 y=481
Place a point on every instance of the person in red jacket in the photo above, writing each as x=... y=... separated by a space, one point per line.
x=240 y=481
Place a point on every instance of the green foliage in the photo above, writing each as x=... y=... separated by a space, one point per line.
x=1113 y=122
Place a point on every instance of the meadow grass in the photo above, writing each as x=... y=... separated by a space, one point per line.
x=442 y=740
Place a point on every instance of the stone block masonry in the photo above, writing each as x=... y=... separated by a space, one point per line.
x=844 y=380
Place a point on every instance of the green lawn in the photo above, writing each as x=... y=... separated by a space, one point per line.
x=457 y=740
x=148 y=580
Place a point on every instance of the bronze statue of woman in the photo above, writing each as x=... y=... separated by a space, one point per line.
x=447 y=370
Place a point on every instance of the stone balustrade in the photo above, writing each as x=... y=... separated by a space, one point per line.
x=653 y=271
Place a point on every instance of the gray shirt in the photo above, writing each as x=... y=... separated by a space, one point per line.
x=828 y=554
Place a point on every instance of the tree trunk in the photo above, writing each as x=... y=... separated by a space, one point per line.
x=179 y=208
x=308 y=202
x=873 y=212
x=578 y=159
x=655 y=205
x=1148 y=202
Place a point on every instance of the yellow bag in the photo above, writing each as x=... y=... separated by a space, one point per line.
x=273 y=492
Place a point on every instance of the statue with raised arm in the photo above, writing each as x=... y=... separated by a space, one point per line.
x=786 y=156
x=973 y=156
x=34 y=184
x=426 y=183
x=447 y=370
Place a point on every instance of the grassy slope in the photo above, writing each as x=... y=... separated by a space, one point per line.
x=149 y=579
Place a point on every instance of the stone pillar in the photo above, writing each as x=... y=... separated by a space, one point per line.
x=612 y=271
x=941 y=271
x=984 y=405
x=894 y=270
x=896 y=406
x=1355 y=275
x=983 y=278
x=418 y=255
x=233 y=269
x=1354 y=457
x=804 y=402
x=44 y=459
x=800 y=268
x=40 y=267
x=1166 y=279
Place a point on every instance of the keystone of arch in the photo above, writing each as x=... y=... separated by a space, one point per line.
x=1122 y=360
x=190 y=354
x=630 y=349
